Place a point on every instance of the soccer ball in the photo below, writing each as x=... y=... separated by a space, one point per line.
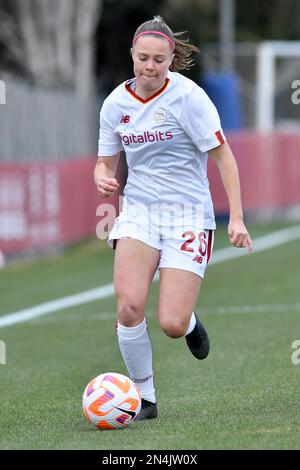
x=111 y=401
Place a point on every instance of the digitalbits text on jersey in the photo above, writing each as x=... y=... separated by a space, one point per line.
x=147 y=136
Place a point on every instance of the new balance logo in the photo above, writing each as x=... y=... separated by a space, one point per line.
x=198 y=259
x=125 y=119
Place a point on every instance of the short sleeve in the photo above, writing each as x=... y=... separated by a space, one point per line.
x=201 y=121
x=110 y=142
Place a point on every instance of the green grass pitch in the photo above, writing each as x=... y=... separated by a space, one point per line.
x=244 y=396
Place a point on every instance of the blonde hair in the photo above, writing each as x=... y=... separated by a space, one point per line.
x=182 y=48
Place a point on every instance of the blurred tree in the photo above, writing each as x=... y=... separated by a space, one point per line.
x=267 y=19
x=51 y=41
x=255 y=20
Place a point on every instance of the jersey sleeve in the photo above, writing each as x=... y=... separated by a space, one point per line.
x=110 y=142
x=201 y=121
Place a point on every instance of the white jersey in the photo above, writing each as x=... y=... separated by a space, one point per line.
x=165 y=138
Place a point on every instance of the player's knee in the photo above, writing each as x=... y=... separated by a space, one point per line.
x=130 y=313
x=173 y=328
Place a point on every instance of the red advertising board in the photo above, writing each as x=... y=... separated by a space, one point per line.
x=56 y=202
x=269 y=168
x=47 y=204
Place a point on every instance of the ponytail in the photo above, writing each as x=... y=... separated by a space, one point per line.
x=181 y=47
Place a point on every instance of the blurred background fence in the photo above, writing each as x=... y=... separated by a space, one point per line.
x=41 y=124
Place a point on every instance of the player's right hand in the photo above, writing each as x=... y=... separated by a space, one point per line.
x=106 y=186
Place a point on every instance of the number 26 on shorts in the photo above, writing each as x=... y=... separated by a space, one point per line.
x=204 y=247
x=191 y=237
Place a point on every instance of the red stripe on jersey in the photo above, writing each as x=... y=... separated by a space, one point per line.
x=137 y=97
x=209 y=245
x=220 y=137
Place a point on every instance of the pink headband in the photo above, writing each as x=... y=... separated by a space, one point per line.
x=159 y=34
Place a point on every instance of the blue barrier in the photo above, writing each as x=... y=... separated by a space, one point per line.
x=224 y=91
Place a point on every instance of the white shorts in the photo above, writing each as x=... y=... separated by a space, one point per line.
x=184 y=248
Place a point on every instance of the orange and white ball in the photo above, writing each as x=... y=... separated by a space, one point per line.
x=111 y=401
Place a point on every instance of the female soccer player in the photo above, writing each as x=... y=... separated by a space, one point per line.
x=167 y=126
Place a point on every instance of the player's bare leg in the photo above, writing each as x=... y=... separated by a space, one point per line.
x=134 y=269
x=135 y=266
x=178 y=294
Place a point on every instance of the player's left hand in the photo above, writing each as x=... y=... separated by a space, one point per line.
x=238 y=235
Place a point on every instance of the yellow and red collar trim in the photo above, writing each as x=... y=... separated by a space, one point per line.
x=142 y=100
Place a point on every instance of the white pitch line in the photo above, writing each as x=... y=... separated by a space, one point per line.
x=225 y=254
x=227 y=310
x=260 y=244
x=56 y=305
x=264 y=308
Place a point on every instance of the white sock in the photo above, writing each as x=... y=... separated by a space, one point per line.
x=191 y=325
x=136 y=350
